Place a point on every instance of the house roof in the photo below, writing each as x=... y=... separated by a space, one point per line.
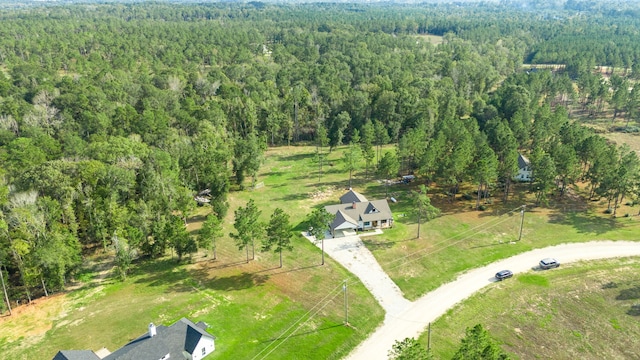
x=342 y=218
x=351 y=197
x=183 y=335
x=76 y=355
x=363 y=211
x=523 y=162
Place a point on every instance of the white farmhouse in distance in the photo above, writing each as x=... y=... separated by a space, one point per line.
x=524 y=169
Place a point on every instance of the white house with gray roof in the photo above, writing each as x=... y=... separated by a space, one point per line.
x=182 y=340
x=356 y=213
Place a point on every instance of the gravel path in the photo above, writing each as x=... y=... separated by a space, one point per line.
x=409 y=319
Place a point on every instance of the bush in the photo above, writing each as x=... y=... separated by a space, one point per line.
x=467 y=196
x=482 y=208
x=630 y=203
x=608 y=211
x=627 y=215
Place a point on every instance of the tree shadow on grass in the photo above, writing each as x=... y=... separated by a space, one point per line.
x=374 y=245
x=293 y=197
x=629 y=294
x=584 y=223
x=297 y=157
x=286 y=271
x=236 y=282
x=634 y=310
x=163 y=272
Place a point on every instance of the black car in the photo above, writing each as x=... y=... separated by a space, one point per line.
x=549 y=263
x=504 y=274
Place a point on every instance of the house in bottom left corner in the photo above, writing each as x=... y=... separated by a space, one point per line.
x=182 y=340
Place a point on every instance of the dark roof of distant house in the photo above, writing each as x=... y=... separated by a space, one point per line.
x=351 y=197
x=76 y=355
x=523 y=162
x=184 y=335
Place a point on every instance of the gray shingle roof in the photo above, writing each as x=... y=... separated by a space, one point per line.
x=181 y=336
x=364 y=211
x=351 y=197
x=76 y=355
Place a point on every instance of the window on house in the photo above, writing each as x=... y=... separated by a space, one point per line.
x=383 y=221
x=367 y=223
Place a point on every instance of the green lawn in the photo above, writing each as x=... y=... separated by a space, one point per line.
x=463 y=238
x=258 y=310
x=585 y=310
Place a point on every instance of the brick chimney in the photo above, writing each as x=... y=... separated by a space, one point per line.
x=353 y=205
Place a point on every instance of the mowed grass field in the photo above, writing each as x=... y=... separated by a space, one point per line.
x=256 y=310
x=260 y=311
x=587 y=310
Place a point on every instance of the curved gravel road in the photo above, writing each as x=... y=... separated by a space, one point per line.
x=411 y=318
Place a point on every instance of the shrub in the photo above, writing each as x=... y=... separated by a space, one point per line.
x=627 y=215
x=482 y=208
x=630 y=203
x=608 y=211
x=467 y=196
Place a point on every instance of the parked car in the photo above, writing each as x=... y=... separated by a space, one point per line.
x=549 y=263
x=504 y=274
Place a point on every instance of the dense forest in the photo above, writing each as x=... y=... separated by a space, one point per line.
x=113 y=116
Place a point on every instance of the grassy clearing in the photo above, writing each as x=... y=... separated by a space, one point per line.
x=250 y=307
x=463 y=238
x=433 y=39
x=633 y=140
x=586 y=311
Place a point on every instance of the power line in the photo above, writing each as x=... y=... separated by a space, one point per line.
x=300 y=325
x=455 y=236
x=339 y=288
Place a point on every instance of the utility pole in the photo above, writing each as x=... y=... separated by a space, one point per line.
x=429 y=338
x=521 y=221
x=346 y=303
x=5 y=290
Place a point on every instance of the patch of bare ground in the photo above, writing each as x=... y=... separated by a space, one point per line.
x=323 y=194
x=30 y=322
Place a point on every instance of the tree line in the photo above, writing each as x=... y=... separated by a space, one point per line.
x=112 y=116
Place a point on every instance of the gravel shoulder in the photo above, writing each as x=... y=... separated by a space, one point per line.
x=409 y=319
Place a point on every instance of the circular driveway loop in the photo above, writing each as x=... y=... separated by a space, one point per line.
x=409 y=319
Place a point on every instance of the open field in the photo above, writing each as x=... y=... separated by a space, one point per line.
x=420 y=265
x=251 y=306
x=586 y=310
x=433 y=39
x=255 y=311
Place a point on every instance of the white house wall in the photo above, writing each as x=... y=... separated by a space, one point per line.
x=209 y=346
